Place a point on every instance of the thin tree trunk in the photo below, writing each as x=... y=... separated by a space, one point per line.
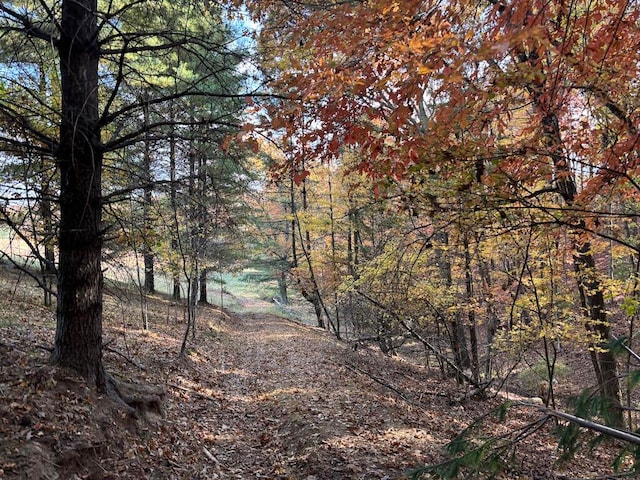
x=312 y=296
x=471 y=315
x=173 y=193
x=203 y=286
x=147 y=251
x=334 y=262
x=455 y=327
x=353 y=242
x=49 y=266
x=282 y=288
x=294 y=250
x=492 y=317
x=194 y=240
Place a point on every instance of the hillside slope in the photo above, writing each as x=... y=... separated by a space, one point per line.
x=258 y=396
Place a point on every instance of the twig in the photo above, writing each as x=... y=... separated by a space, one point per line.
x=129 y=360
x=193 y=392
x=210 y=456
x=380 y=381
x=176 y=465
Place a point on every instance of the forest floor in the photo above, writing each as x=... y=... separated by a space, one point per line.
x=257 y=396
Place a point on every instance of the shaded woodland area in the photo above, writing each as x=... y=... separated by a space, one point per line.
x=449 y=184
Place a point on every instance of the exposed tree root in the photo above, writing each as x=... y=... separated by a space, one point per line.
x=139 y=401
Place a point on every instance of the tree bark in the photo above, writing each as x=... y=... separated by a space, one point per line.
x=78 y=339
x=471 y=314
x=282 y=288
x=334 y=261
x=173 y=193
x=294 y=250
x=492 y=316
x=203 y=286
x=455 y=325
x=49 y=263
x=592 y=301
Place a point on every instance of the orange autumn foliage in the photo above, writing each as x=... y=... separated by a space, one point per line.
x=426 y=85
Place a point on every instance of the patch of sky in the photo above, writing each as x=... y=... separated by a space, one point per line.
x=244 y=32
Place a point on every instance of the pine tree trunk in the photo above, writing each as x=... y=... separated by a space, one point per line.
x=78 y=340
x=49 y=264
x=173 y=193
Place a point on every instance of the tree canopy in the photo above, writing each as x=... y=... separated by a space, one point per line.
x=492 y=116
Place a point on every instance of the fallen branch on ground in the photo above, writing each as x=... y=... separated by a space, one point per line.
x=596 y=427
x=193 y=392
x=383 y=383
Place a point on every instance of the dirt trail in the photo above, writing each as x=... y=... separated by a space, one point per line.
x=258 y=396
x=293 y=410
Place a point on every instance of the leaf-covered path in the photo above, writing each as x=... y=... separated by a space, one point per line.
x=296 y=406
x=257 y=396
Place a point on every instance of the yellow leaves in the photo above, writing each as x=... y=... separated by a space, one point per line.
x=526 y=333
